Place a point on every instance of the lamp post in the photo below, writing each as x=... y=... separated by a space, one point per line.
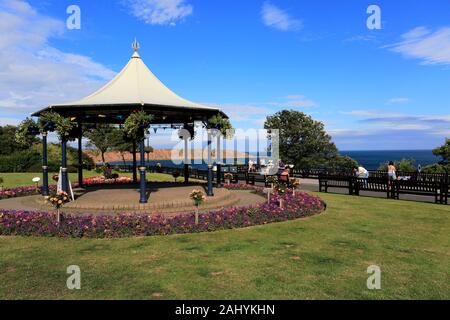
x=64 y=178
x=186 y=159
x=219 y=161
x=210 y=173
x=134 y=162
x=80 y=155
x=142 y=169
x=45 y=191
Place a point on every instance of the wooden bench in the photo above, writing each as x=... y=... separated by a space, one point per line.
x=421 y=188
x=335 y=181
x=373 y=184
x=285 y=179
x=253 y=178
x=446 y=191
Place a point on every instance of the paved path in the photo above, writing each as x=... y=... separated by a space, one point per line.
x=30 y=203
x=244 y=197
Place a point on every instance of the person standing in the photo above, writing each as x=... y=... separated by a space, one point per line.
x=392 y=171
x=362 y=172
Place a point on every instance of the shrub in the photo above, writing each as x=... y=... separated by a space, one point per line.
x=404 y=165
x=21 y=161
x=272 y=180
x=436 y=168
x=281 y=188
x=342 y=163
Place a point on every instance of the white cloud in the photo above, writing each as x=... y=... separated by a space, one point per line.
x=256 y=113
x=442 y=133
x=347 y=132
x=294 y=101
x=426 y=45
x=9 y=121
x=277 y=18
x=371 y=113
x=245 y=112
x=160 y=12
x=398 y=101
x=299 y=101
x=408 y=126
x=443 y=118
x=33 y=74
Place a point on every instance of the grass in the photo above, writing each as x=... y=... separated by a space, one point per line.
x=321 y=257
x=24 y=179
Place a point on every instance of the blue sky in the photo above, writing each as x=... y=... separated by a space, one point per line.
x=373 y=89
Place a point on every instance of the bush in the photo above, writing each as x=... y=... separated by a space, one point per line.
x=30 y=160
x=404 y=165
x=436 y=168
x=342 y=163
x=21 y=161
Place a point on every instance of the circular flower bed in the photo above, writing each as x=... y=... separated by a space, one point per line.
x=124 y=225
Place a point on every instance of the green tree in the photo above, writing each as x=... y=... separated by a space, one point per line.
x=302 y=140
x=443 y=151
x=123 y=146
x=8 y=142
x=103 y=137
x=222 y=124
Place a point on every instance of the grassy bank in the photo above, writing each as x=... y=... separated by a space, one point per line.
x=322 y=257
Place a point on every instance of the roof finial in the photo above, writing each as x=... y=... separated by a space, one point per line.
x=135 y=45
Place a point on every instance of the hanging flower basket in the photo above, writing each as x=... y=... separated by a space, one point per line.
x=136 y=124
x=63 y=126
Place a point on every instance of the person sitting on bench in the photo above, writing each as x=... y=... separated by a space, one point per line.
x=284 y=176
x=281 y=166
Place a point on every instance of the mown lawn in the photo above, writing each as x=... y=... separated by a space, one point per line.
x=322 y=257
x=24 y=179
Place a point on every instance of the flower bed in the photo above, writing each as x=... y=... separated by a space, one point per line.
x=31 y=190
x=124 y=225
x=21 y=192
x=239 y=186
x=98 y=181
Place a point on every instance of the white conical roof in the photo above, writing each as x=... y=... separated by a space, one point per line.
x=136 y=84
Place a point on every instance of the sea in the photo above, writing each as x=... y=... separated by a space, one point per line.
x=370 y=159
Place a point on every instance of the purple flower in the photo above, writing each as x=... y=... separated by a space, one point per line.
x=21 y=223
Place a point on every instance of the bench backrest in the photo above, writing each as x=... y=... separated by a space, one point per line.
x=373 y=184
x=416 y=186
